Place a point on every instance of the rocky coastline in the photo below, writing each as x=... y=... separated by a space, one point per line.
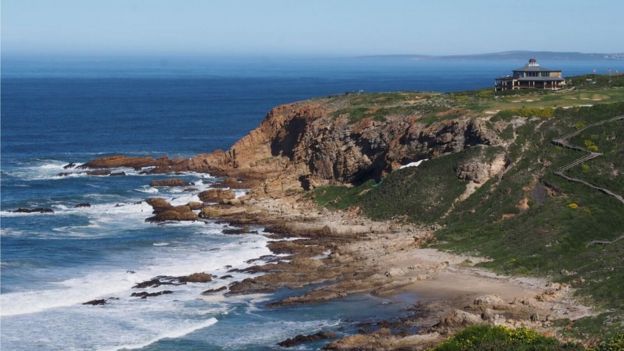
x=298 y=147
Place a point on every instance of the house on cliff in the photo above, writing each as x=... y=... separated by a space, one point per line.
x=531 y=76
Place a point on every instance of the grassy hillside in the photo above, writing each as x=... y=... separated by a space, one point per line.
x=586 y=90
x=529 y=221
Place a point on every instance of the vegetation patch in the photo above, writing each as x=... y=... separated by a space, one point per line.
x=493 y=338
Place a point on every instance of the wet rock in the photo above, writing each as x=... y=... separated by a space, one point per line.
x=234 y=231
x=69 y=165
x=158 y=203
x=158 y=281
x=194 y=205
x=83 y=204
x=300 y=339
x=178 y=213
x=169 y=182
x=95 y=302
x=216 y=195
x=212 y=291
x=227 y=276
x=99 y=172
x=116 y=161
x=164 y=211
x=34 y=210
x=115 y=174
x=251 y=286
x=145 y=294
x=196 y=278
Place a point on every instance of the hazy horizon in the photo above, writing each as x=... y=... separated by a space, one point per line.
x=72 y=28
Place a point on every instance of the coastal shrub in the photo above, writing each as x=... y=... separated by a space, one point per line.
x=613 y=343
x=492 y=338
x=340 y=196
x=546 y=112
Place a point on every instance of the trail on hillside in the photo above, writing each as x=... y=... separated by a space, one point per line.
x=563 y=142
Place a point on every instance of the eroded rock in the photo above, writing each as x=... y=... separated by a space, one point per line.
x=216 y=195
x=169 y=182
x=301 y=339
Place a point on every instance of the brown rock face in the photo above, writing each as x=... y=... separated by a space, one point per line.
x=121 y=161
x=304 y=144
x=303 y=141
x=164 y=211
x=216 y=195
x=159 y=204
x=196 y=278
x=169 y=182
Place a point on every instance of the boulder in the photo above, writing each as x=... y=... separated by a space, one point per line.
x=194 y=205
x=99 y=172
x=177 y=213
x=116 y=161
x=159 y=204
x=196 y=278
x=212 y=291
x=300 y=339
x=145 y=294
x=83 y=204
x=156 y=282
x=34 y=210
x=95 y=302
x=164 y=211
x=488 y=301
x=216 y=195
x=220 y=211
x=169 y=182
x=459 y=318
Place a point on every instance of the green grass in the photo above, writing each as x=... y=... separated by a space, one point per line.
x=553 y=237
x=340 y=196
x=433 y=107
x=495 y=338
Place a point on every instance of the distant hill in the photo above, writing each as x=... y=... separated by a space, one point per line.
x=517 y=54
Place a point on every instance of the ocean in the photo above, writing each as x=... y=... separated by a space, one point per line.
x=59 y=111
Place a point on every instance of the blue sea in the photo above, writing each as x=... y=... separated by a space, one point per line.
x=60 y=110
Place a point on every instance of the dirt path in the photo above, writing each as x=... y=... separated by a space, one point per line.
x=563 y=142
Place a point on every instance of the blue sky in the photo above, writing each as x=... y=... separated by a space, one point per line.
x=321 y=27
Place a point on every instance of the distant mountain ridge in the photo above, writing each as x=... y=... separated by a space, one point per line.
x=516 y=54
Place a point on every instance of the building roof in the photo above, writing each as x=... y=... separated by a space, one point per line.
x=533 y=66
x=528 y=68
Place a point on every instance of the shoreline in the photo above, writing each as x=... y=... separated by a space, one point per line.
x=346 y=254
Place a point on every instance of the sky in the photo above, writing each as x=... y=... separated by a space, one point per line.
x=298 y=27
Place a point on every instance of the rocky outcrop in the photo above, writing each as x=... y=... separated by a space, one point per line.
x=216 y=195
x=196 y=278
x=164 y=211
x=169 y=182
x=145 y=294
x=300 y=339
x=305 y=143
x=34 y=210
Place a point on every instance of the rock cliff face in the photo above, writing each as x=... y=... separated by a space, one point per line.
x=306 y=143
x=305 y=140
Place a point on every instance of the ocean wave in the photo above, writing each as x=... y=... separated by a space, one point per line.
x=103 y=284
x=168 y=334
x=57 y=169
